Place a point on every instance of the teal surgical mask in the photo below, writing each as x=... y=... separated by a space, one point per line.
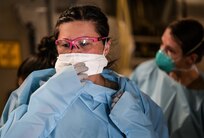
x=164 y=62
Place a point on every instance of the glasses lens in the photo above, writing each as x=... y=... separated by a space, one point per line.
x=84 y=43
x=63 y=44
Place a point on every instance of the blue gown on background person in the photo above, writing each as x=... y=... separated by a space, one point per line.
x=59 y=106
x=182 y=107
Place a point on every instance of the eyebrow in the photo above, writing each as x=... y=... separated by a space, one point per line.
x=82 y=37
x=169 y=47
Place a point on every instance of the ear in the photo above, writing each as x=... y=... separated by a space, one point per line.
x=191 y=59
x=107 y=47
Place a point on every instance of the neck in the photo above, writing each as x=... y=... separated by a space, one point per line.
x=97 y=79
x=100 y=80
x=185 y=77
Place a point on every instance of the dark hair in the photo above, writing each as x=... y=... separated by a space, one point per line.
x=30 y=64
x=47 y=48
x=189 y=34
x=84 y=13
x=43 y=59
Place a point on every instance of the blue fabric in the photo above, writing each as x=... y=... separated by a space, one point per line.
x=63 y=107
x=183 y=108
x=22 y=95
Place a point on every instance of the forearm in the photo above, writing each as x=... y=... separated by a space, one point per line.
x=47 y=106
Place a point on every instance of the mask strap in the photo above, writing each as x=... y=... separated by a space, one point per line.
x=193 y=67
x=197 y=46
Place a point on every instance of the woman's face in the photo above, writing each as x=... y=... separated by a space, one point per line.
x=173 y=49
x=79 y=31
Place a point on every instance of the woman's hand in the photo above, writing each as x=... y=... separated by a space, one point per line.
x=116 y=98
x=80 y=68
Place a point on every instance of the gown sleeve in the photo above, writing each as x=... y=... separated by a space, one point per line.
x=47 y=105
x=22 y=94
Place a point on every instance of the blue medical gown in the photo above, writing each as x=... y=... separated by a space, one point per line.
x=49 y=105
x=183 y=108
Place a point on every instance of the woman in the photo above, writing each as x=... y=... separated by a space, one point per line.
x=76 y=101
x=173 y=81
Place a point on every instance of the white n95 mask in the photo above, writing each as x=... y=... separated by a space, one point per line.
x=94 y=62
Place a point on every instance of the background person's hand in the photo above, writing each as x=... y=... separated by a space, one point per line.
x=80 y=69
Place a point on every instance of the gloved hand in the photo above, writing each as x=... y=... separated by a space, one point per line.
x=80 y=69
x=116 y=98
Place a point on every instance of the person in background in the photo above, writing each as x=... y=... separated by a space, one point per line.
x=45 y=57
x=75 y=98
x=174 y=82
